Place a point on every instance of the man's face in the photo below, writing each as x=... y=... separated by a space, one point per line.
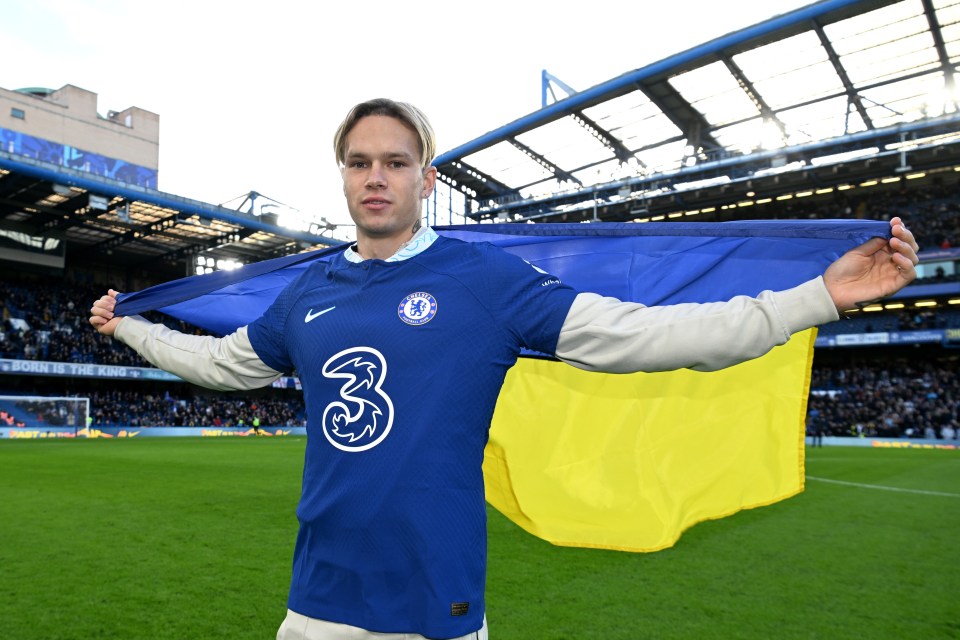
x=382 y=178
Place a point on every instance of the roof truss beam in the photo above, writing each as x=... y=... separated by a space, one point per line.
x=475 y=174
x=765 y=111
x=691 y=122
x=949 y=79
x=78 y=215
x=619 y=150
x=559 y=173
x=206 y=245
x=853 y=98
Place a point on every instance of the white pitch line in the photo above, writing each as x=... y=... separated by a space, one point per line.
x=883 y=488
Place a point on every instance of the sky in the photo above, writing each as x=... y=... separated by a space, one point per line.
x=250 y=93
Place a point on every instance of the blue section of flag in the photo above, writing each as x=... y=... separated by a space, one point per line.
x=653 y=263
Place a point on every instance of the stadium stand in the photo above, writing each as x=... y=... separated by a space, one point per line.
x=853 y=394
x=44 y=320
x=854 y=140
x=886 y=397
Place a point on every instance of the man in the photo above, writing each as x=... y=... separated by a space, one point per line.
x=402 y=343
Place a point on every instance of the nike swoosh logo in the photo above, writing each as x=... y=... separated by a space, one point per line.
x=311 y=315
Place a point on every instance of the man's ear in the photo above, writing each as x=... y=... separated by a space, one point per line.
x=429 y=181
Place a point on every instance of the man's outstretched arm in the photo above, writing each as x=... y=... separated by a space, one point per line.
x=605 y=334
x=228 y=363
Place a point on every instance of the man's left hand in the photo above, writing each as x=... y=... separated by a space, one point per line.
x=876 y=269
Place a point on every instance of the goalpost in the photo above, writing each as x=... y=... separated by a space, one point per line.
x=45 y=412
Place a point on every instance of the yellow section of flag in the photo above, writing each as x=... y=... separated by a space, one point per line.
x=629 y=462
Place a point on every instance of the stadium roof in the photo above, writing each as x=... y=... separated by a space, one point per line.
x=840 y=90
x=122 y=225
x=827 y=85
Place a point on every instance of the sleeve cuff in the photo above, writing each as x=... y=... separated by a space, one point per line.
x=805 y=306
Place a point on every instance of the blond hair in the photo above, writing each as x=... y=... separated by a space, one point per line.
x=402 y=111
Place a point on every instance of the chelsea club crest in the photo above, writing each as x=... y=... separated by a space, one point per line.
x=417 y=308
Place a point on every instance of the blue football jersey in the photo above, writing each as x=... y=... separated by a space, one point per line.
x=401 y=365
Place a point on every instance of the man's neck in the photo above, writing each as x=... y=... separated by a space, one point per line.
x=380 y=248
x=423 y=238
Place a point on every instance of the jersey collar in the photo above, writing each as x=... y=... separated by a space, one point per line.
x=416 y=245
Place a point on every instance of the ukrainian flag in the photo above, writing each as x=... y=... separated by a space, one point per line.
x=616 y=461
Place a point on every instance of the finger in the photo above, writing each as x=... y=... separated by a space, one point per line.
x=871 y=246
x=106 y=302
x=905 y=267
x=907 y=236
x=906 y=249
x=898 y=228
x=102 y=309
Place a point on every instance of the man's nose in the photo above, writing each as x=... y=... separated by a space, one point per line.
x=375 y=176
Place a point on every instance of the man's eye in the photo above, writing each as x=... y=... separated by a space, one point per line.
x=358 y=164
x=398 y=164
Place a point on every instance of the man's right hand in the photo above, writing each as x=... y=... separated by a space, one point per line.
x=102 y=317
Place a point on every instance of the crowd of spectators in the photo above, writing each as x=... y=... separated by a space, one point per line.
x=920 y=400
x=48 y=322
x=932 y=211
x=175 y=405
x=166 y=409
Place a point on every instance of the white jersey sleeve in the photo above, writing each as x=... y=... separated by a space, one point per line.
x=226 y=364
x=605 y=334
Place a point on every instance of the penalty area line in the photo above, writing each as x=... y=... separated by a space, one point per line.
x=884 y=488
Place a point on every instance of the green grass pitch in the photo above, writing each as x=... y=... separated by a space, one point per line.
x=192 y=538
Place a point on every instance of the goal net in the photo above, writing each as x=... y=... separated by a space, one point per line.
x=44 y=412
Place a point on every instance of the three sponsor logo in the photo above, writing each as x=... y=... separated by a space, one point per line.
x=362 y=416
